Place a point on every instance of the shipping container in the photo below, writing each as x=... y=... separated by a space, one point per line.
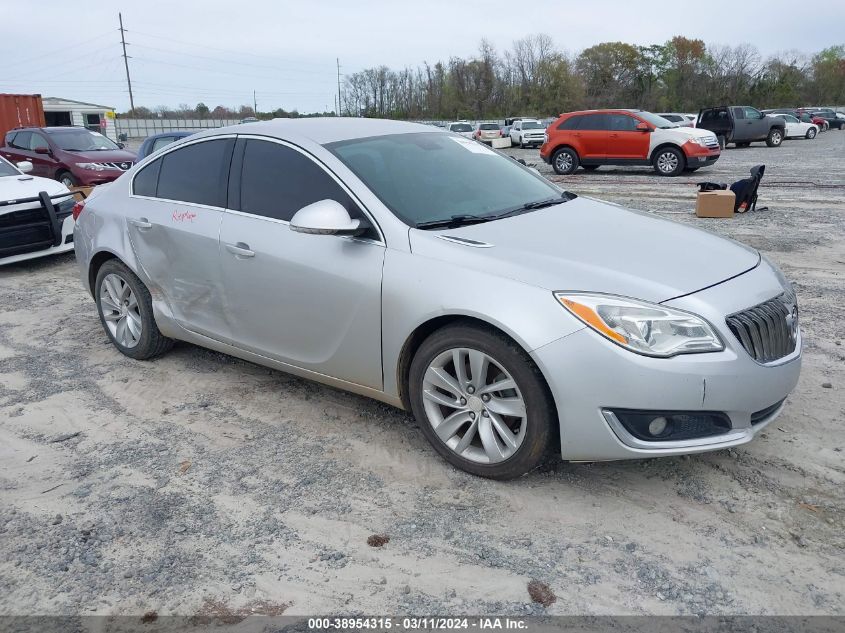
x=20 y=111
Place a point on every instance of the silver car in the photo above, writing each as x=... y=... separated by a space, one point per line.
x=433 y=273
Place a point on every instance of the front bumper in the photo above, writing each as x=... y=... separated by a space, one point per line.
x=588 y=376
x=698 y=156
x=91 y=178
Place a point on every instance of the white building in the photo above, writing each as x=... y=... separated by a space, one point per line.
x=100 y=118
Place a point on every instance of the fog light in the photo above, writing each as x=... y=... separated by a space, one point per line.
x=668 y=426
x=657 y=426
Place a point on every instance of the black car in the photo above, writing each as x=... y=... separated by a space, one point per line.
x=157 y=141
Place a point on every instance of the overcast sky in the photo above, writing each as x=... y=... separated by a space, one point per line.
x=218 y=53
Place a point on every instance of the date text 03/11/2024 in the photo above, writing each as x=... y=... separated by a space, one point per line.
x=419 y=623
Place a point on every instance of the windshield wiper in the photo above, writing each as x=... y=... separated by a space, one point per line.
x=455 y=221
x=539 y=204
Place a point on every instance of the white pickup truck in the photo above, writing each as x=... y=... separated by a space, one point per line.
x=528 y=132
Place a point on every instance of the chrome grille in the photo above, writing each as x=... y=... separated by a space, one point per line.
x=122 y=166
x=712 y=142
x=767 y=331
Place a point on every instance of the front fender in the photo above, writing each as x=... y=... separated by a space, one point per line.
x=417 y=289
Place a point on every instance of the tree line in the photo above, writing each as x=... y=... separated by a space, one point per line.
x=535 y=78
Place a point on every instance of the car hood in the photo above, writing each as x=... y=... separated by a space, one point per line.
x=589 y=245
x=20 y=187
x=691 y=132
x=104 y=156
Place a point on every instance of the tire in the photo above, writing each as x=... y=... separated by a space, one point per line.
x=721 y=140
x=775 y=137
x=669 y=161
x=144 y=340
x=530 y=433
x=521 y=143
x=826 y=126
x=811 y=133
x=67 y=179
x=565 y=161
x=590 y=167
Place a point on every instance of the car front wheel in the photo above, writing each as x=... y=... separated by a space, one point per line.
x=481 y=401
x=669 y=161
x=67 y=179
x=565 y=161
x=126 y=312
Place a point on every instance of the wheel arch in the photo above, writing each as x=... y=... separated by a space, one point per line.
x=428 y=327
x=97 y=260
x=664 y=145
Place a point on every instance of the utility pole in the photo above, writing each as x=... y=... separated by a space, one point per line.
x=126 y=64
x=339 y=102
x=254 y=105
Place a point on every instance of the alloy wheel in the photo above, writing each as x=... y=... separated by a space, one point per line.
x=67 y=182
x=474 y=405
x=563 y=161
x=667 y=162
x=120 y=310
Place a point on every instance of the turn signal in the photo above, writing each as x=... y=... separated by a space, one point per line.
x=77 y=209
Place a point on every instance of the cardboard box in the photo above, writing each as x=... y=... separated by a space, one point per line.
x=715 y=204
x=85 y=191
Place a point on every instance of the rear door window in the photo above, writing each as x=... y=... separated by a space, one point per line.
x=37 y=141
x=594 y=122
x=21 y=140
x=197 y=173
x=739 y=113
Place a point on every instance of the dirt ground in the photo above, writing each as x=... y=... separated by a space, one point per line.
x=199 y=483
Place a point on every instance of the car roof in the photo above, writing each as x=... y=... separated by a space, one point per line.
x=324 y=130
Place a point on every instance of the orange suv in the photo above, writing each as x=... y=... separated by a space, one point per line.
x=626 y=137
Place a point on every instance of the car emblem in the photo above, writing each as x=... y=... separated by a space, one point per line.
x=124 y=165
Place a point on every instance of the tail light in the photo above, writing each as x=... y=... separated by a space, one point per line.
x=77 y=210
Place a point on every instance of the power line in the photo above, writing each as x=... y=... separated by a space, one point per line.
x=215 y=48
x=126 y=63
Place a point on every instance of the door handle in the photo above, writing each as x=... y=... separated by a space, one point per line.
x=240 y=250
x=141 y=223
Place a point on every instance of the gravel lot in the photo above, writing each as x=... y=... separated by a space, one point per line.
x=198 y=483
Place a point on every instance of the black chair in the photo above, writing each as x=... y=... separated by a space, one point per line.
x=746 y=191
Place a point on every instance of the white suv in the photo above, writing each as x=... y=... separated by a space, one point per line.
x=528 y=132
x=35 y=214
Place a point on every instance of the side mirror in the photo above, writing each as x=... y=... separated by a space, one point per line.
x=121 y=146
x=643 y=127
x=325 y=217
x=25 y=166
x=42 y=150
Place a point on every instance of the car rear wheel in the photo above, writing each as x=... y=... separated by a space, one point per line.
x=669 y=161
x=775 y=137
x=565 y=161
x=126 y=312
x=811 y=133
x=67 y=179
x=721 y=140
x=481 y=402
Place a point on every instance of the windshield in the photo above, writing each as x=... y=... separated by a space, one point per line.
x=532 y=125
x=655 y=120
x=6 y=169
x=80 y=140
x=428 y=177
x=488 y=126
x=460 y=127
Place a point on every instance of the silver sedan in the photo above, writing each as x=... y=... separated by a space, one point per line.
x=428 y=271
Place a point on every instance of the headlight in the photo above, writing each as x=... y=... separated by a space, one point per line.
x=92 y=166
x=645 y=328
x=701 y=140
